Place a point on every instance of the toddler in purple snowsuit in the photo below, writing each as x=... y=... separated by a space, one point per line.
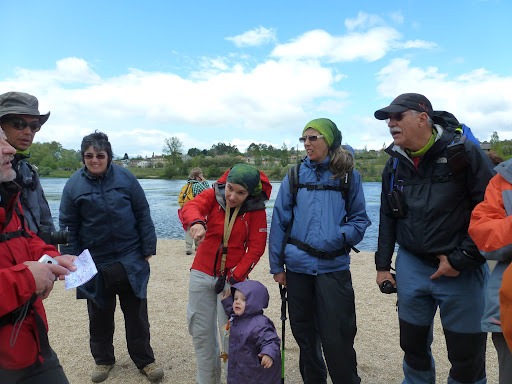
x=254 y=347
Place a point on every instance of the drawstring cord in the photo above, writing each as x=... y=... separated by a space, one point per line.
x=18 y=323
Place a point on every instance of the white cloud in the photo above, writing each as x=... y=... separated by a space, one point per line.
x=479 y=98
x=370 y=46
x=69 y=70
x=255 y=37
x=397 y=17
x=363 y=21
x=319 y=44
x=138 y=109
x=416 y=44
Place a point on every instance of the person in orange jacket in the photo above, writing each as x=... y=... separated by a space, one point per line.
x=491 y=230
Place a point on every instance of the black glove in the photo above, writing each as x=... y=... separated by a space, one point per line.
x=219 y=285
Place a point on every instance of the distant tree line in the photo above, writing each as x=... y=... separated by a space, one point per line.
x=502 y=148
x=52 y=159
x=48 y=157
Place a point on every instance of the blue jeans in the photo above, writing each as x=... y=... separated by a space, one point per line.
x=461 y=304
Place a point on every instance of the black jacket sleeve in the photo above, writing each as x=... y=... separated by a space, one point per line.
x=387 y=224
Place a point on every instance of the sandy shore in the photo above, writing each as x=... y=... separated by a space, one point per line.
x=377 y=344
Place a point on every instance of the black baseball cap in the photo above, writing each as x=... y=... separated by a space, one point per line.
x=403 y=103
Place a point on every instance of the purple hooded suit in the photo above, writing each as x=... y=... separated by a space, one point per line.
x=251 y=334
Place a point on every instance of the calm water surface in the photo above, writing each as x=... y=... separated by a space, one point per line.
x=162 y=196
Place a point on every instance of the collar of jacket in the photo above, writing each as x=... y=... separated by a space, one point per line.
x=8 y=191
x=21 y=155
x=505 y=170
x=92 y=177
x=443 y=138
x=311 y=164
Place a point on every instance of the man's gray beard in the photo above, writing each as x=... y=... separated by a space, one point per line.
x=10 y=175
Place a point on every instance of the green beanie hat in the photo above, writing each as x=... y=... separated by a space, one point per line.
x=326 y=127
x=247 y=176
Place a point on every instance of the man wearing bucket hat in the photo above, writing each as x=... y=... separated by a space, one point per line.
x=426 y=203
x=20 y=119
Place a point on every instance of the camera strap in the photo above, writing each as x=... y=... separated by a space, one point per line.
x=229 y=222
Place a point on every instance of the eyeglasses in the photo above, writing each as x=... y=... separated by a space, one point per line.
x=20 y=125
x=310 y=138
x=99 y=156
x=396 y=116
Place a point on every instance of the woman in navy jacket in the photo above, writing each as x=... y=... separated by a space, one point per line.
x=105 y=210
x=316 y=254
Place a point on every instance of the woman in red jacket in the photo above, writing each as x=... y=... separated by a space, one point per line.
x=231 y=242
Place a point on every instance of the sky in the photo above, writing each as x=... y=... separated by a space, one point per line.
x=240 y=72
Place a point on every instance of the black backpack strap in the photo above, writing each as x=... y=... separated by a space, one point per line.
x=12 y=235
x=17 y=317
x=15 y=234
x=293 y=179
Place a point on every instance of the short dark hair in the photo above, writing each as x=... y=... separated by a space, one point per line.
x=99 y=141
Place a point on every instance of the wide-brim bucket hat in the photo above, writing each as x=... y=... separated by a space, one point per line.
x=20 y=103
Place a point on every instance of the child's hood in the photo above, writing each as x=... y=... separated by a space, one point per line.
x=256 y=296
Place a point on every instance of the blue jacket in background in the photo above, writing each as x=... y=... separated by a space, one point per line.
x=319 y=220
x=109 y=216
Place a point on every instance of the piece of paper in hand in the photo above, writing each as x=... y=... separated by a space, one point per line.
x=85 y=270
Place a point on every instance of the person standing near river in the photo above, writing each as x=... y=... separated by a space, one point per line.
x=197 y=184
x=20 y=120
x=426 y=204
x=106 y=211
x=325 y=224
x=230 y=245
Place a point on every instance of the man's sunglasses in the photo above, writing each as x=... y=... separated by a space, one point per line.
x=99 y=156
x=396 y=116
x=310 y=138
x=20 y=124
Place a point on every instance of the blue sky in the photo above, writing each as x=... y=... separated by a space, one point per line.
x=253 y=71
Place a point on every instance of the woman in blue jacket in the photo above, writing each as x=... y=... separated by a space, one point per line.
x=316 y=254
x=105 y=210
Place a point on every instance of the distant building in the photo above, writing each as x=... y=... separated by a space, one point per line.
x=486 y=146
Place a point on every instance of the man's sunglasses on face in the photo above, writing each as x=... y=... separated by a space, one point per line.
x=20 y=124
x=99 y=156
x=310 y=138
x=396 y=116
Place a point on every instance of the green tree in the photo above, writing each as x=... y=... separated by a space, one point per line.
x=173 y=147
x=284 y=157
x=69 y=160
x=193 y=152
x=213 y=172
x=496 y=145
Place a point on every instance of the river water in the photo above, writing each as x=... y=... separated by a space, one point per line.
x=162 y=196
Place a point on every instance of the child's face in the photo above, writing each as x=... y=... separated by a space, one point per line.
x=238 y=303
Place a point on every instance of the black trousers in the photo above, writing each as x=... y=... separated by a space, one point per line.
x=101 y=325
x=50 y=371
x=322 y=316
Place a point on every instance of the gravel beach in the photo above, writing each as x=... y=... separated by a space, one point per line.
x=377 y=343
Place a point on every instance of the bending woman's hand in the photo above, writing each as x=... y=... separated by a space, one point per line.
x=280 y=278
x=197 y=232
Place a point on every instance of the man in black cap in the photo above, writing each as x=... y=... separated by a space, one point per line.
x=426 y=203
x=20 y=119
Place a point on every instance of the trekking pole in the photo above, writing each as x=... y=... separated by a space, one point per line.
x=282 y=290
